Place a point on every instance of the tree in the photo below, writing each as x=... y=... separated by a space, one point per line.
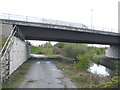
x=98 y=51
x=60 y=45
x=73 y=50
x=48 y=45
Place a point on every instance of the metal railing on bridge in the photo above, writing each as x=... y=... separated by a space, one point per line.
x=55 y=22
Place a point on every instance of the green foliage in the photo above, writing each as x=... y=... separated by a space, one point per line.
x=84 y=62
x=46 y=48
x=60 y=45
x=35 y=49
x=98 y=51
x=68 y=50
x=48 y=45
x=38 y=49
x=115 y=81
x=50 y=51
x=84 y=79
x=73 y=50
x=92 y=49
x=72 y=73
x=96 y=59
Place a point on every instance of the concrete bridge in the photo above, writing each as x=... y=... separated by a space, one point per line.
x=63 y=33
x=53 y=32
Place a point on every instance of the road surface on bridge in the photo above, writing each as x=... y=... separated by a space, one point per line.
x=44 y=74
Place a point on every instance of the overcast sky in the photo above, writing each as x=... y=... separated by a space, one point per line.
x=105 y=12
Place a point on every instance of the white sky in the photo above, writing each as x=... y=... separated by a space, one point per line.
x=105 y=12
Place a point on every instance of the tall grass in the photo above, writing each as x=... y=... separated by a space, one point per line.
x=85 y=79
x=36 y=50
x=96 y=58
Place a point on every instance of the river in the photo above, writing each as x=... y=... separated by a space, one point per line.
x=99 y=69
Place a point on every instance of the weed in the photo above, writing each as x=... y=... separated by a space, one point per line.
x=17 y=77
x=96 y=59
x=83 y=79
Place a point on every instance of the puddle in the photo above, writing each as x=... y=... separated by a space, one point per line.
x=52 y=69
x=37 y=62
x=42 y=62
x=47 y=62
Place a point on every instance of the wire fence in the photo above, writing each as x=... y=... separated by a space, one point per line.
x=55 y=22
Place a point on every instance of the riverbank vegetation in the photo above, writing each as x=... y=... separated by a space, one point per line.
x=17 y=77
x=79 y=57
x=43 y=49
x=85 y=79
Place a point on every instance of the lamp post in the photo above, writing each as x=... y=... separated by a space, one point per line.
x=91 y=19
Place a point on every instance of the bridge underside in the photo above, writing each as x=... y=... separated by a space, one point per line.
x=50 y=34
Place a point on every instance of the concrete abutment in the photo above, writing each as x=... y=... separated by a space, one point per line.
x=19 y=53
x=113 y=51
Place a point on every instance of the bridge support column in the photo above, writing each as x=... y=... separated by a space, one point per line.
x=113 y=51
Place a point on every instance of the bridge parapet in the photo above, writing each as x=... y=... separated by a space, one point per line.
x=62 y=27
x=55 y=22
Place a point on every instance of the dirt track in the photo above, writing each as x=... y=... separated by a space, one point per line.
x=44 y=74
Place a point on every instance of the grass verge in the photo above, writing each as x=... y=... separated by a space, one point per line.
x=17 y=77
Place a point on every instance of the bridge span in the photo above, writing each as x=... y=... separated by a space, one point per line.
x=62 y=33
x=23 y=30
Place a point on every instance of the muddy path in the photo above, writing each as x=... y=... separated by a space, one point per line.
x=44 y=74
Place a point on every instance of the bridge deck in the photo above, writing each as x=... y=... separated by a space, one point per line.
x=62 y=33
x=62 y=27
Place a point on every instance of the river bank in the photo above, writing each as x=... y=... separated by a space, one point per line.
x=82 y=79
x=87 y=79
x=111 y=63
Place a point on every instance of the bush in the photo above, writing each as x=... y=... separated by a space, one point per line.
x=60 y=45
x=73 y=50
x=114 y=83
x=84 y=62
x=96 y=59
x=98 y=51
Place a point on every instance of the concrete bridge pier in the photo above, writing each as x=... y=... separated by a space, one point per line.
x=113 y=51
